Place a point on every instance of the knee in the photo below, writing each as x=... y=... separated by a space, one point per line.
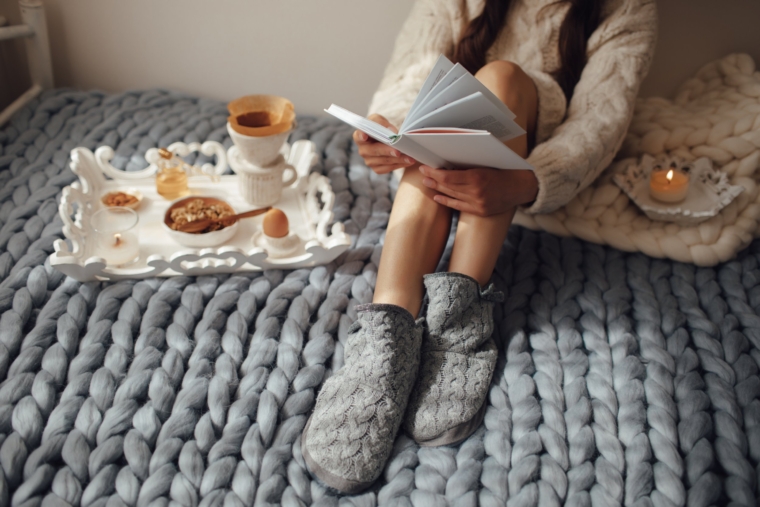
x=505 y=77
x=513 y=87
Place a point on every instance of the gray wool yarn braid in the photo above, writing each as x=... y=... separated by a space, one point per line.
x=575 y=364
x=628 y=380
x=651 y=328
x=620 y=380
x=742 y=340
x=547 y=321
x=519 y=387
x=15 y=451
x=713 y=302
x=514 y=272
x=702 y=484
x=730 y=444
x=607 y=485
x=31 y=471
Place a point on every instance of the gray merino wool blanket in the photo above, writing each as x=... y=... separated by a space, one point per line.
x=622 y=380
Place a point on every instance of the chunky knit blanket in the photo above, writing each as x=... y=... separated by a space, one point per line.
x=621 y=379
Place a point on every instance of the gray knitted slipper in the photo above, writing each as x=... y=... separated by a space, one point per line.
x=359 y=410
x=457 y=361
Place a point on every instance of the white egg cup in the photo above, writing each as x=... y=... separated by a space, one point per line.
x=278 y=247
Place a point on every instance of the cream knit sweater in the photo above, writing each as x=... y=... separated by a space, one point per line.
x=573 y=144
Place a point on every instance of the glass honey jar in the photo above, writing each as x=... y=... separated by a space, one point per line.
x=171 y=177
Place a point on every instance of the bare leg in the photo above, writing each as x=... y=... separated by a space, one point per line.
x=414 y=242
x=478 y=240
x=418 y=226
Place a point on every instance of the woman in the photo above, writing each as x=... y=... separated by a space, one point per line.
x=570 y=71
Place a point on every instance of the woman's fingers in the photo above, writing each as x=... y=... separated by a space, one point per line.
x=379 y=150
x=382 y=120
x=448 y=177
x=438 y=187
x=360 y=137
x=380 y=158
x=456 y=204
x=378 y=161
x=385 y=169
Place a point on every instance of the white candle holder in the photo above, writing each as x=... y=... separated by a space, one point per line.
x=116 y=235
x=709 y=189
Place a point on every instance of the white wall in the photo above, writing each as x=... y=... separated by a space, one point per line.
x=694 y=32
x=312 y=51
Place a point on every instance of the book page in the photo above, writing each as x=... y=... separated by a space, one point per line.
x=388 y=137
x=464 y=86
x=476 y=149
x=369 y=127
x=442 y=66
x=474 y=112
x=444 y=82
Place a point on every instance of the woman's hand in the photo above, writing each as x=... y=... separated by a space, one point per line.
x=379 y=157
x=479 y=191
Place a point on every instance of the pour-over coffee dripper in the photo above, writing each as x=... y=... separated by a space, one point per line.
x=259 y=125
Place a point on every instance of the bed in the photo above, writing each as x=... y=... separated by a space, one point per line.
x=621 y=379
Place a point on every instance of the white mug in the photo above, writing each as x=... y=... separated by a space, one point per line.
x=259 y=151
x=263 y=186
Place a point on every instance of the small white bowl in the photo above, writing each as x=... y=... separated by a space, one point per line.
x=199 y=240
x=131 y=191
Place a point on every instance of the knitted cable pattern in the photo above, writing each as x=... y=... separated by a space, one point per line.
x=498 y=417
x=350 y=435
x=652 y=329
x=547 y=320
x=620 y=379
x=715 y=114
x=714 y=302
x=746 y=364
x=719 y=379
x=457 y=357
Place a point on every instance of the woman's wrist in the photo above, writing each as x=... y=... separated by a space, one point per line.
x=531 y=188
x=521 y=186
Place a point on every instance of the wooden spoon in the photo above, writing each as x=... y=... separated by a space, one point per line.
x=202 y=224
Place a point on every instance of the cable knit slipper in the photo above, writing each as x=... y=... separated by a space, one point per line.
x=359 y=410
x=457 y=361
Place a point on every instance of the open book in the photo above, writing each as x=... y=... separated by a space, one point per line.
x=455 y=122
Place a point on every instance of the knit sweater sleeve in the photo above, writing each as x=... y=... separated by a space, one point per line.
x=426 y=33
x=601 y=108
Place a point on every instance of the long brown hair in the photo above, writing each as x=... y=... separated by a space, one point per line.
x=581 y=20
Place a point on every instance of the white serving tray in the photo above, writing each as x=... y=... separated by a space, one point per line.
x=308 y=205
x=709 y=190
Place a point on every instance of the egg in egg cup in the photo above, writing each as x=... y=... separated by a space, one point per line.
x=279 y=240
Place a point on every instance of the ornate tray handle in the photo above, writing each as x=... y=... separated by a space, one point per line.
x=105 y=154
x=319 y=184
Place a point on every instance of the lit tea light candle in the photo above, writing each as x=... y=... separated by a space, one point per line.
x=116 y=231
x=668 y=185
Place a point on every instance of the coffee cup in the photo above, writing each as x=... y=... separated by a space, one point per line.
x=262 y=186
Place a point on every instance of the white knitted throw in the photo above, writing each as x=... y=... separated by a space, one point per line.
x=715 y=114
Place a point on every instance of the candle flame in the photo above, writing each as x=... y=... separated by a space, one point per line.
x=669 y=176
x=117 y=239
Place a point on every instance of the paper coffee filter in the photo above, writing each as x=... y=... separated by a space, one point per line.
x=280 y=110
